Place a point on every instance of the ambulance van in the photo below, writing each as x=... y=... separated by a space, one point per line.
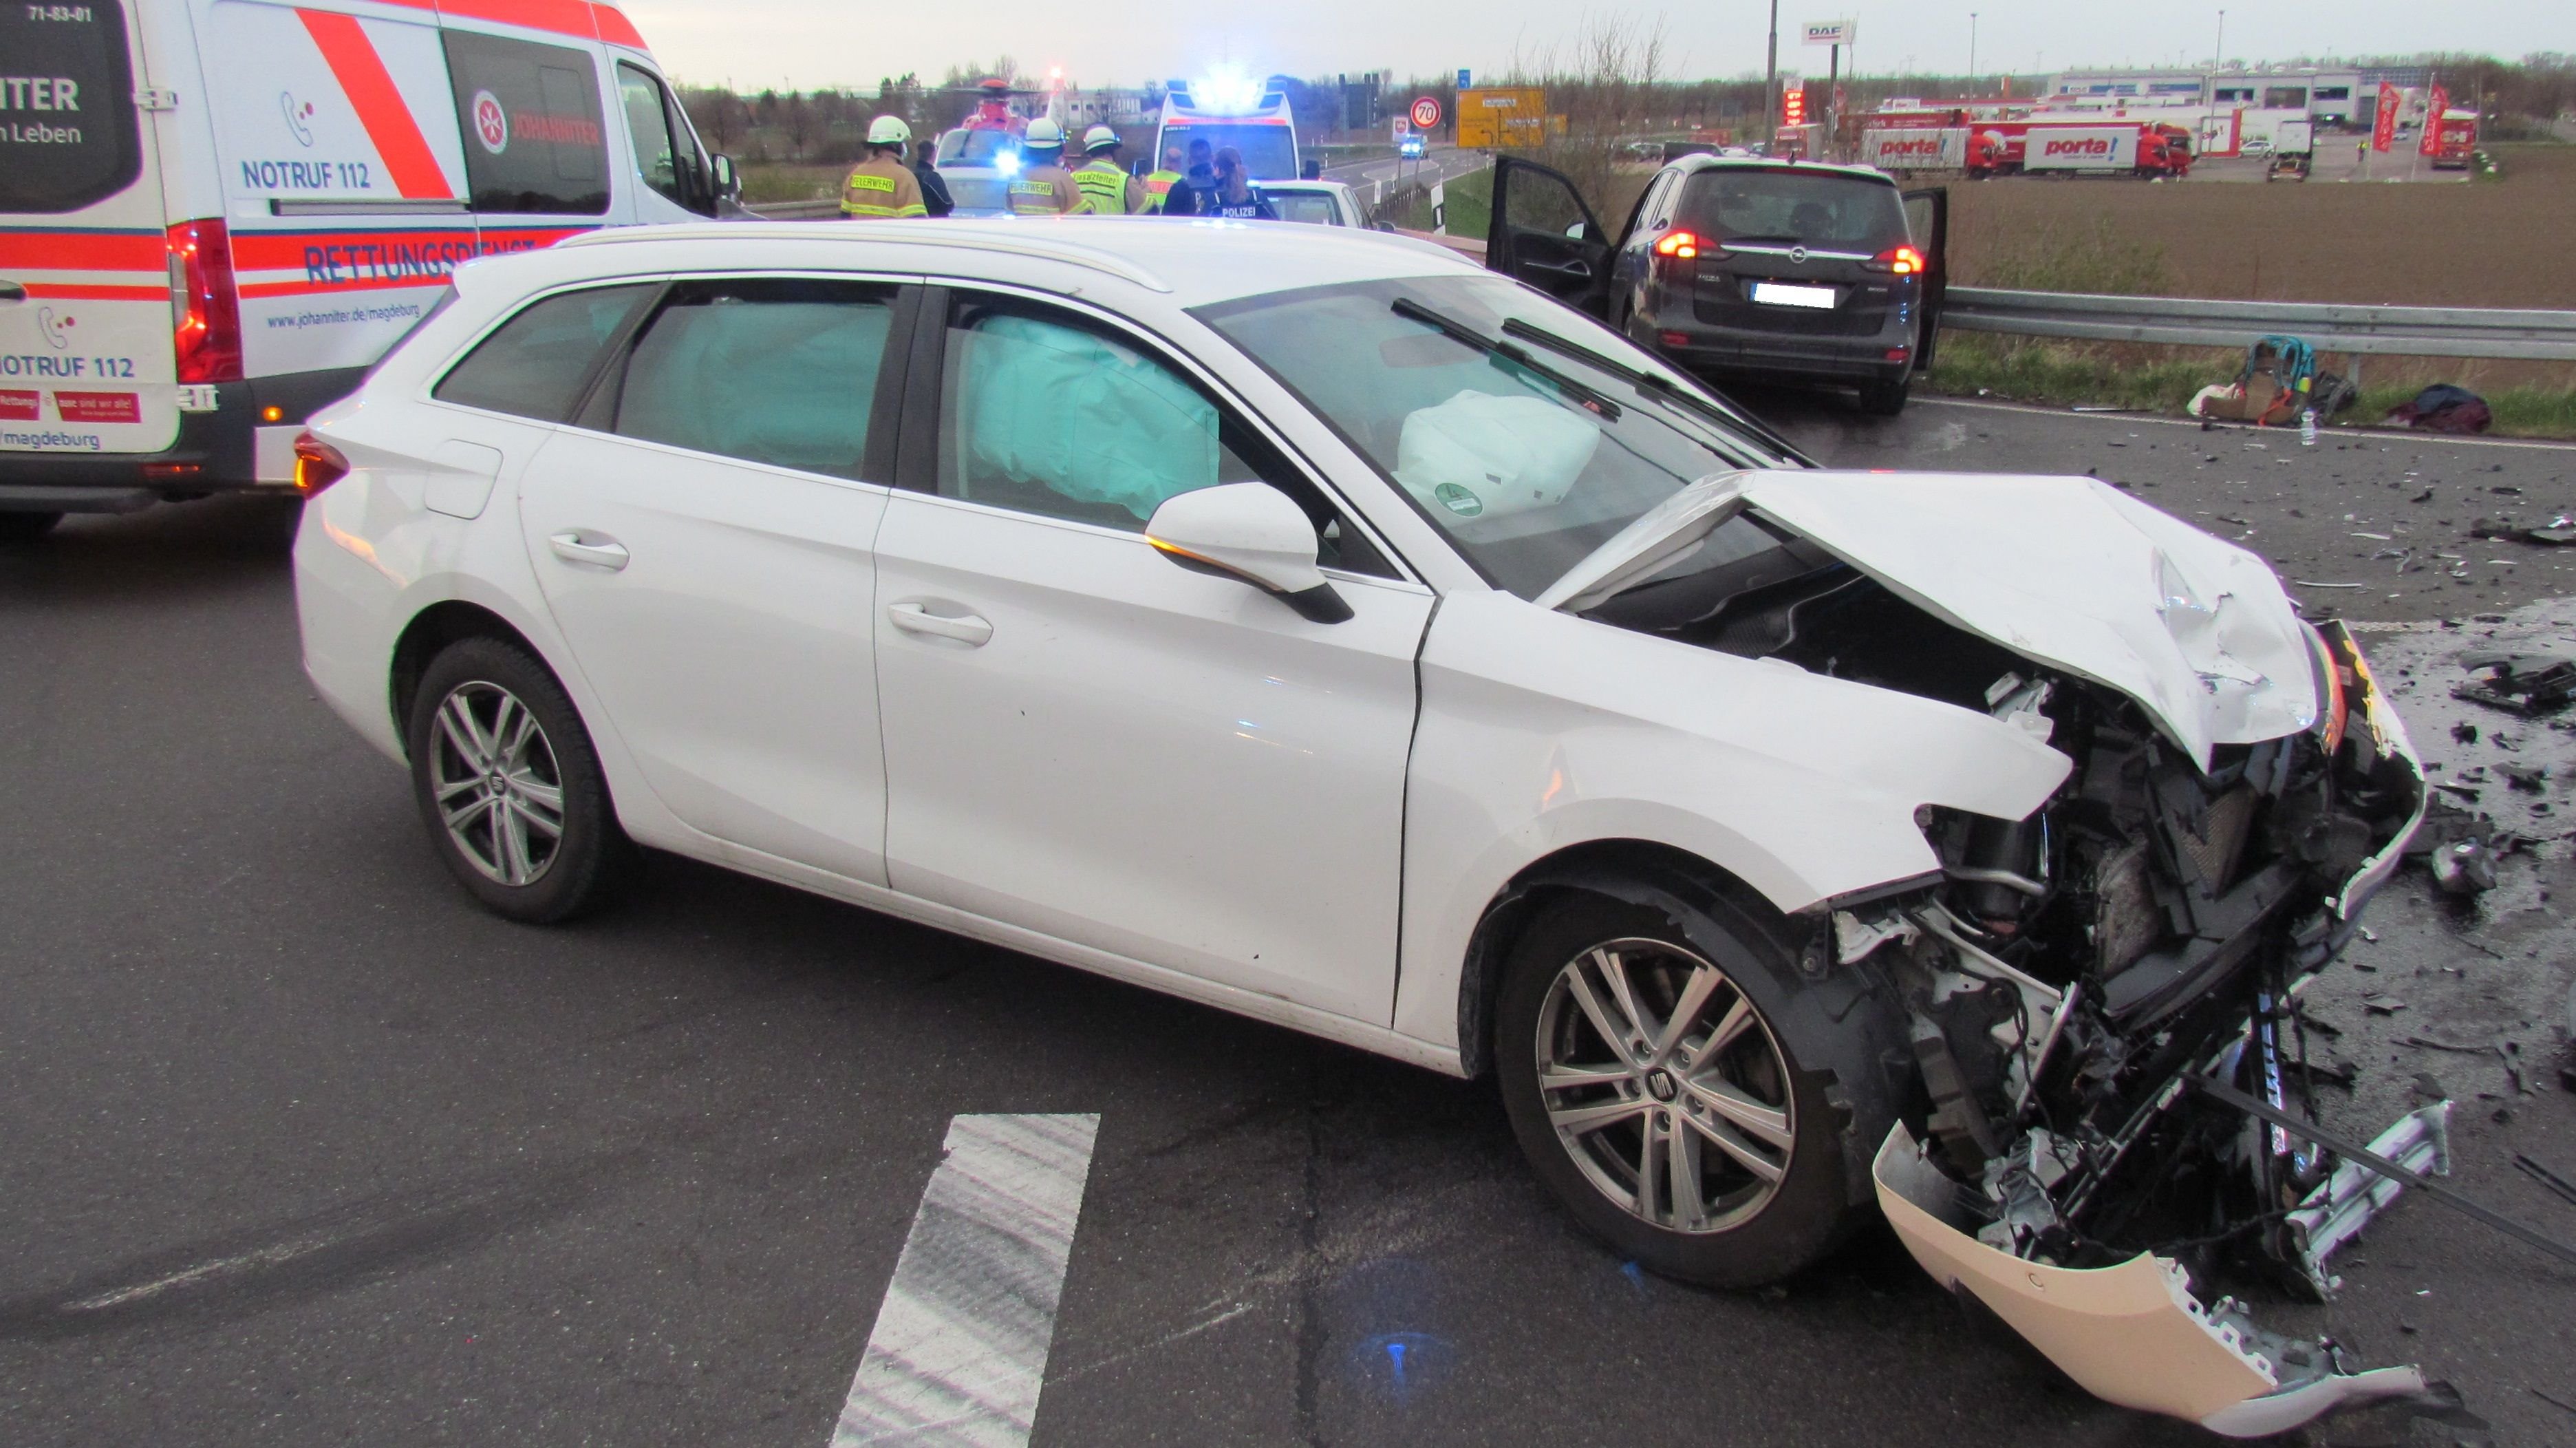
x=216 y=214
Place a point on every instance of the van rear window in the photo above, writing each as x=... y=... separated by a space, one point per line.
x=67 y=120
x=1779 y=205
x=534 y=137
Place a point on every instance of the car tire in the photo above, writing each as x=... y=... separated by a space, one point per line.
x=1744 y=1230
x=1885 y=399
x=509 y=785
x=20 y=529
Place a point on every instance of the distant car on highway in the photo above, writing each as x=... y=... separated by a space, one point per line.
x=1324 y=203
x=1307 y=622
x=1411 y=148
x=1772 y=271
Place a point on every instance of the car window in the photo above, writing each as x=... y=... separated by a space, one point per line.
x=72 y=104
x=666 y=155
x=1776 y=204
x=534 y=364
x=985 y=192
x=1527 y=458
x=535 y=138
x=1045 y=412
x=980 y=148
x=778 y=370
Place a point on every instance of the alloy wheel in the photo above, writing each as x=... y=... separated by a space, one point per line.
x=493 y=778
x=1665 y=1085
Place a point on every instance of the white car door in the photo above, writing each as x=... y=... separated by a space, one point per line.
x=1085 y=740
x=702 y=532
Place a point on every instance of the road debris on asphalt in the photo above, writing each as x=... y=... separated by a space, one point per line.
x=2518 y=683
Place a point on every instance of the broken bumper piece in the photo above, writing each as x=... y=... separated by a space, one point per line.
x=2345 y=1202
x=2131 y=1334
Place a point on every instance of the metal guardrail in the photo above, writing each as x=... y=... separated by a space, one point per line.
x=2327 y=326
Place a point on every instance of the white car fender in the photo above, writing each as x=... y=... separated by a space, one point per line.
x=1540 y=731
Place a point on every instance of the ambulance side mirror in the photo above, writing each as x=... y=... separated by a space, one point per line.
x=728 y=180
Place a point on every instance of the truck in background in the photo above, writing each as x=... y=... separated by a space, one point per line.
x=2451 y=146
x=2150 y=150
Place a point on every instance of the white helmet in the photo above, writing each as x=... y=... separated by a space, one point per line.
x=1044 y=135
x=888 y=131
x=1100 y=138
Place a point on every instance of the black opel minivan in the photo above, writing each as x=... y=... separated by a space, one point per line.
x=1771 y=271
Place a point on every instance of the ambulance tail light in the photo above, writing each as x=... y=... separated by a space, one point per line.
x=205 y=310
x=1904 y=261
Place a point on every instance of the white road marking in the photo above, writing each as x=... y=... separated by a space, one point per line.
x=2389 y=435
x=960 y=1347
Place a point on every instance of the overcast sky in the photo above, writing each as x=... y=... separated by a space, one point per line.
x=806 y=43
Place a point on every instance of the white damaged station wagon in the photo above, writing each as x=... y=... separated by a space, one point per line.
x=1310 y=624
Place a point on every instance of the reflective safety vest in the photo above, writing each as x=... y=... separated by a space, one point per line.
x=881 y=189
x=1158 y=185
x=1104 y=190
x=1044 y=191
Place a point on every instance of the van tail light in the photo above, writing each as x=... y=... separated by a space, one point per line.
x=1905 y=261
x=317 y=464
x=205 y=310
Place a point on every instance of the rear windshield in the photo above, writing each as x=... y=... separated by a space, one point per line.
x=978 y=193
x=1809 y=208
x=961 y=148
x=67 y=129
x=1269 y=152
x=1311 y=206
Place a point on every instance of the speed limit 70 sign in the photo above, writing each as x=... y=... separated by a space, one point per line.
x=1426 y=114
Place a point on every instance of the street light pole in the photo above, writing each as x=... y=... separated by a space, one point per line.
x=2220 y=59
x=1771 y=77
x=1972 y=52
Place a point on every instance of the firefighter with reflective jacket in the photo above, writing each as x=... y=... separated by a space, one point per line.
x=1043 y=187
x=1158 y=184
x=881 y=187
x=1107 y=189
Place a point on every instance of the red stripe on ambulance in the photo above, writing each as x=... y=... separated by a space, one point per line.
x=379 y=104
x=144 y=251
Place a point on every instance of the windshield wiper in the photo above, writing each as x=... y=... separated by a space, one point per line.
x=1458 y=331
x=1656 y=385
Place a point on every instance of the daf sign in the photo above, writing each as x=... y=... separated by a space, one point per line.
x=1832 y=32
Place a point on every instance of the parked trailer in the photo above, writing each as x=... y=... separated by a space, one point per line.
x=1915 y=148
x=2003 y=148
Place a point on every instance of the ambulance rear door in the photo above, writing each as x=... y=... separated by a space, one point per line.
x=342 y=180
x=86 y=360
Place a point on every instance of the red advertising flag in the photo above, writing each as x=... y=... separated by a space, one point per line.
x=2440 y=101
x=2383 y=127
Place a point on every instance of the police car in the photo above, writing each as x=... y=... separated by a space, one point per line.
x=215 y=214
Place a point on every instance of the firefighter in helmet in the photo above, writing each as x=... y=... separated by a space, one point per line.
x=1107 y=189
x=1043 y=187
x=881 y=187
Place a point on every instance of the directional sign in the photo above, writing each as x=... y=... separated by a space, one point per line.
x=1426 y=114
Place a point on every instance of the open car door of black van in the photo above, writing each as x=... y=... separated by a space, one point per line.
x=1542 y=233
x=1927 y=216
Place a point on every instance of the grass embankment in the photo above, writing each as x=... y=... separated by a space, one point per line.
x=2052 y=248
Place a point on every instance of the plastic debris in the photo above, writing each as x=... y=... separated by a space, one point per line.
x=2519 y=683
x=2464 y=867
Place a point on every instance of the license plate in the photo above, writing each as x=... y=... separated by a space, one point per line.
x=1781 y=294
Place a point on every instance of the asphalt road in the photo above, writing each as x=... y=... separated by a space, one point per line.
x=304 y=1148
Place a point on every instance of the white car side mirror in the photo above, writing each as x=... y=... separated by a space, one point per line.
x=1252 y=533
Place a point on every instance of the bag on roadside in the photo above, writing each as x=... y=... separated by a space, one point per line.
x=2445 y=408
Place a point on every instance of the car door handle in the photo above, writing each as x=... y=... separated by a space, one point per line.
x=606 y=553
x=973 y=630
x=12 y=292
x=1576 y=270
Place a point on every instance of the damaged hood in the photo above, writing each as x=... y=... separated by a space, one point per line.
x=2072 y=573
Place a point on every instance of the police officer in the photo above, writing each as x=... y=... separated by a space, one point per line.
x=880 y=187
x=1107 y=189
x=1234 y=195
x=1159 y=184
x=1043 y=187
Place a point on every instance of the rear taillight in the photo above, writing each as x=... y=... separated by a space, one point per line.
x=205 y=311
x=1680 y=245
x=317 y=464
x=1905 y=261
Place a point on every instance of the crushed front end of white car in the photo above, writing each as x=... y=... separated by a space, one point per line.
x=2239 y=789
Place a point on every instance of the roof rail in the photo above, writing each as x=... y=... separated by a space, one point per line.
x=969 y=236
